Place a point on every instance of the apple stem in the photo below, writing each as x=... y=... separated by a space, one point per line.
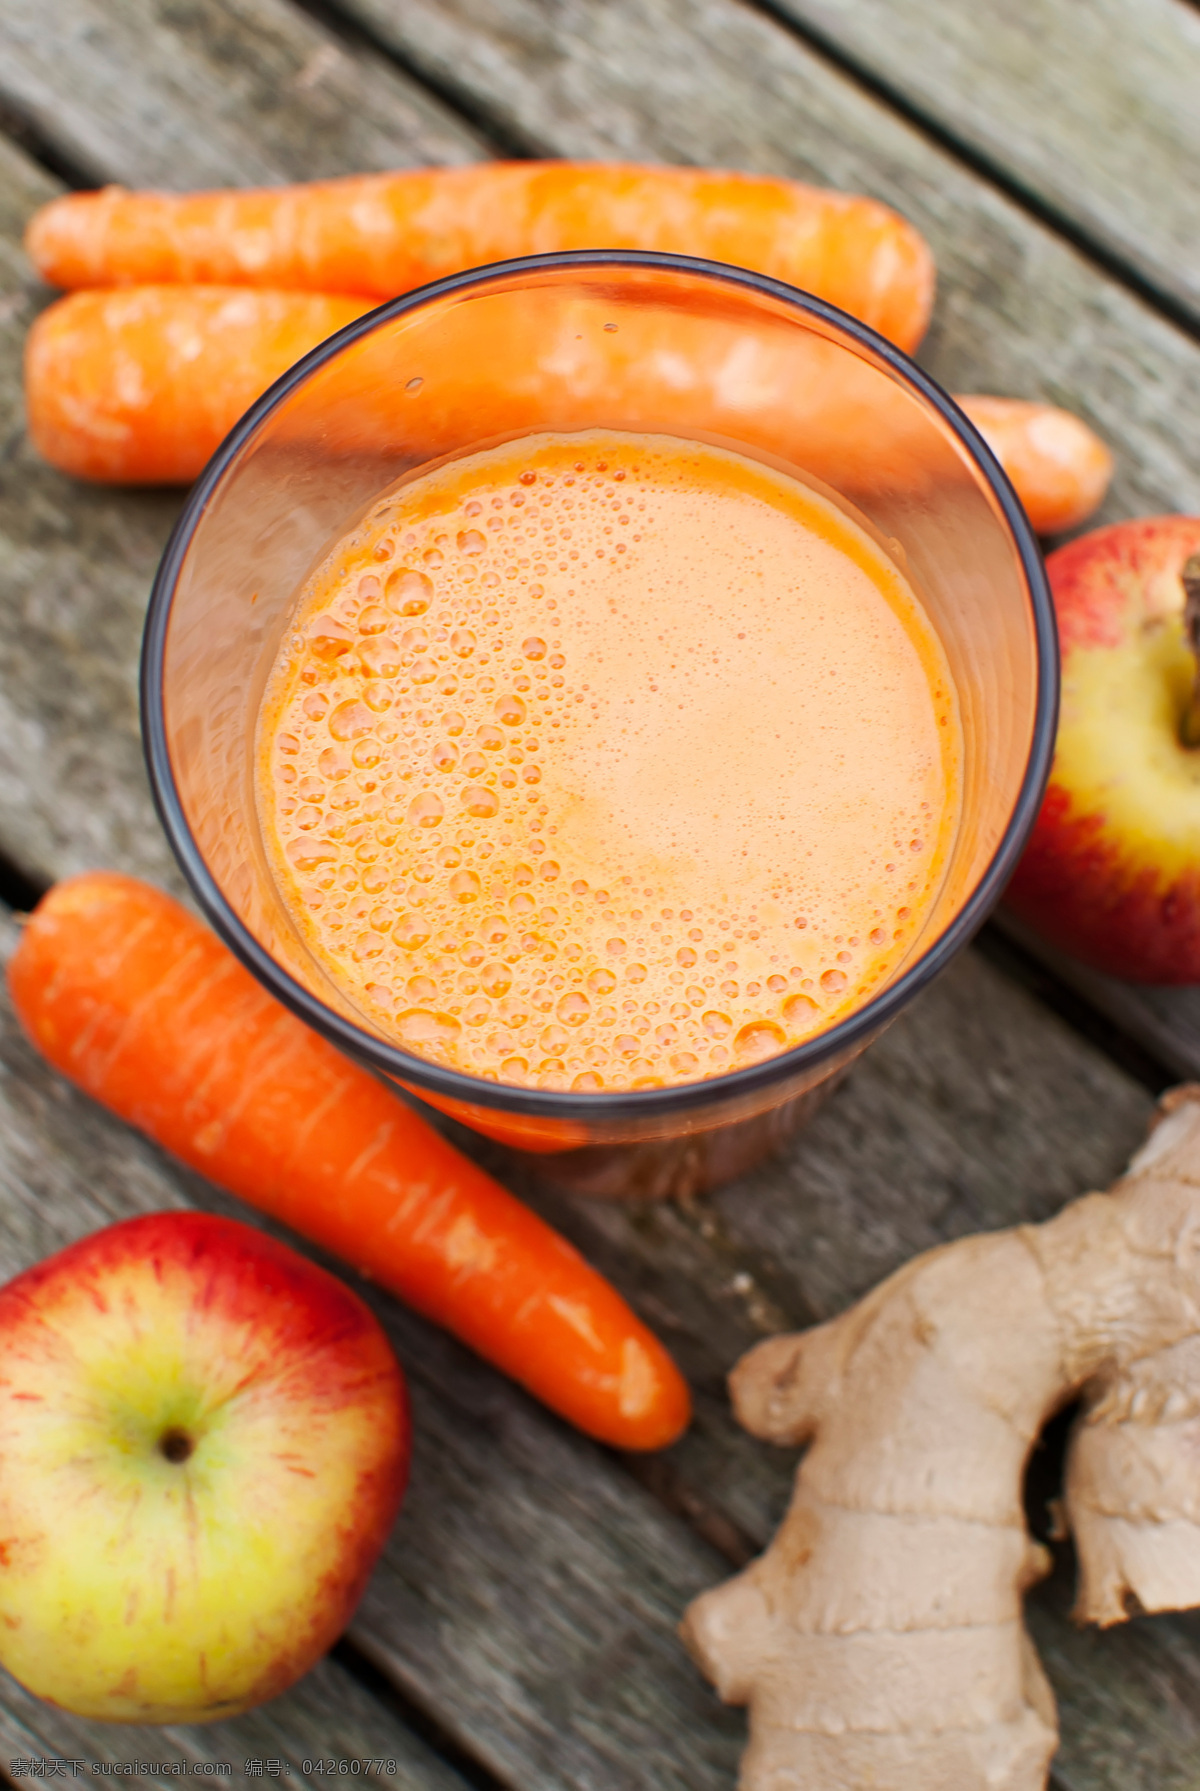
x=1189 y=731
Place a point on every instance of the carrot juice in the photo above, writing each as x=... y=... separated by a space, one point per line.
x=602 y=761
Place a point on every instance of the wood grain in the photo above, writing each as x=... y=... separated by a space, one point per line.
x=1164 y=1020
x=1090 y=109
x=247 y=92
x=328 y=1716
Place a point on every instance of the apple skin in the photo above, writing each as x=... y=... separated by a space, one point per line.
x=143 y=1589
x=1111 y=873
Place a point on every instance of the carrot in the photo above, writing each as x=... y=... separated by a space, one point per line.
x=144 y=1009
x=141 y=384
x=382 y=234
x=1059 y=468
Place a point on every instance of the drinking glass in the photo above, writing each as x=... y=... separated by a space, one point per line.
x=647 y=343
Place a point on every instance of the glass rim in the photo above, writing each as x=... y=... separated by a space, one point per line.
x=841 y=1040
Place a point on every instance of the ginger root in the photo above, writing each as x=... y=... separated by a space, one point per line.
x=879 y=1641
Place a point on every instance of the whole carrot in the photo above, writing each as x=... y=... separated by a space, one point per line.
x=144 y=1009
x=382 y=234
x=140 y=384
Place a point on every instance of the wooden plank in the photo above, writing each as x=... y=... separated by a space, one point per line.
x=1090 y=109
x=328 y=1716
x=716 y=82
x=246 y=93
x=1164 y=1020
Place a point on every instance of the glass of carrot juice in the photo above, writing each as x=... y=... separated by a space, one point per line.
x=599 y=691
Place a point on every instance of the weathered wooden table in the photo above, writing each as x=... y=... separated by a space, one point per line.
x=520 y=1630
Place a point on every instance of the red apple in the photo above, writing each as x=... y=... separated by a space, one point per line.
x=203 y=1443
x=1112 y=870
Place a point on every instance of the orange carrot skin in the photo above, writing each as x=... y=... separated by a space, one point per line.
x=141 y=385
x=1060 y=468
x=382 y=234
x=143 y=1008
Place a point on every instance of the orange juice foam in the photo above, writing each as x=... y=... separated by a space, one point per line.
x=607 y=761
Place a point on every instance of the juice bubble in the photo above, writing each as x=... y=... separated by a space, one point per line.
x=574 y=1008
x=510 y=710
x=471 y=542
x=601 y=982
x=759 y=1039
x=425 y=810
x=366 y=753
x=422 y=1027
x=328 y=638
x=411 y=932
x=465 y=886
x=408 y=593
x=833 y=981
x=533 y=648
x=800 y=1010
x=481 y=802
x=715 y=1023
x=495 y=980
x=351 y=720
x=587 y=1082
x=380 y=656
x=373 y=620
x=462 y=642
x=308 y=855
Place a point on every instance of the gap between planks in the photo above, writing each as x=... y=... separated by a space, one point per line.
x=986 y=167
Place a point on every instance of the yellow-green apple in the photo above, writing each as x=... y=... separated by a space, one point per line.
x=1112 y=869
x=203 y=1443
